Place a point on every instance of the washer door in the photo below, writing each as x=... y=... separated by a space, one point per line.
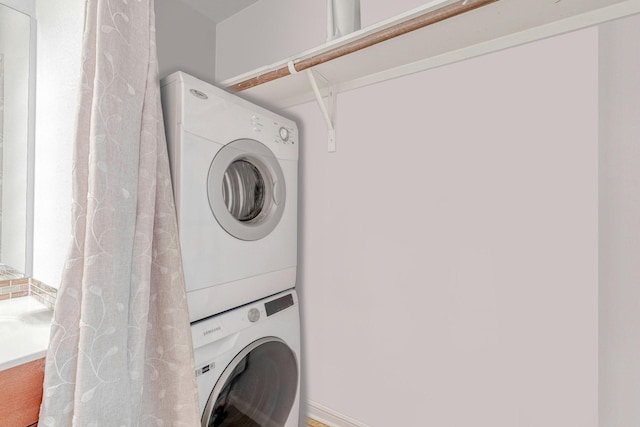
x=246 y=189
x=257 y=389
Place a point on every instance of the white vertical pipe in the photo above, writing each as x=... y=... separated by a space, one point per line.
x=330 y=25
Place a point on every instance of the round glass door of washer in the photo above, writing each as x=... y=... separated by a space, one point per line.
x=246 y=189
x=257 y=389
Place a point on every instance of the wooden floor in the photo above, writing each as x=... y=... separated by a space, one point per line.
x=314 y=423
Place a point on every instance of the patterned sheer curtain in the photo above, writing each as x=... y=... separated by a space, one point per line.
x=120 y=351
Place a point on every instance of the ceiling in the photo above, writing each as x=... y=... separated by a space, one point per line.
x=218 y=10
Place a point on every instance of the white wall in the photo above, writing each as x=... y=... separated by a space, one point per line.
x=60 y=26
x=449 y=248
x=14 y=45
x=186 y=40
x=372 y=11
x=620 y=223
x=268 y=31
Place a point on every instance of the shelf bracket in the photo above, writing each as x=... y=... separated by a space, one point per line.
x=329 y=110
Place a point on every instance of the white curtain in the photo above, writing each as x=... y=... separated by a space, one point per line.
x=120 y=351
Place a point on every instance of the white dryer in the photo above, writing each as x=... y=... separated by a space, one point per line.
x=248 y=364
x=234 y=167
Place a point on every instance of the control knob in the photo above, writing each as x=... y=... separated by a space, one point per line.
x=253 y=315
x=284 y=134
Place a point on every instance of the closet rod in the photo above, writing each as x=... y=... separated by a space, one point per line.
x=428 y=18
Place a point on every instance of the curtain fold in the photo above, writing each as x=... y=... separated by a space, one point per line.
x=120 y=352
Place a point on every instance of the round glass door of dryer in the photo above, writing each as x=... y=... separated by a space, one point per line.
x=246 y=189
x=257 y=389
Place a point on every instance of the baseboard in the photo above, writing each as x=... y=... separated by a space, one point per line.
x=330 y=417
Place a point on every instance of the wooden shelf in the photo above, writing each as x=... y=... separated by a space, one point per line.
x=490 y=28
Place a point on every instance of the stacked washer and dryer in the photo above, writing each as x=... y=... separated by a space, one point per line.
x=234 y=167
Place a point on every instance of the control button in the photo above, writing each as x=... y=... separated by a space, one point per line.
x=254 y=315
x=284 y=134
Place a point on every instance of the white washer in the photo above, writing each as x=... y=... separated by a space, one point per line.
x=248 y=364
x=234 y=167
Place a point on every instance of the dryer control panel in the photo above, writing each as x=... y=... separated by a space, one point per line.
x=281 y=133
x=285 y=135
x=221 y=117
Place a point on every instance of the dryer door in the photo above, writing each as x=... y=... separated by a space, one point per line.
x=257 y=389
x=246 y=189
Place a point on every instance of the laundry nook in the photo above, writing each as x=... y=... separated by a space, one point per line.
x=329 y=213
